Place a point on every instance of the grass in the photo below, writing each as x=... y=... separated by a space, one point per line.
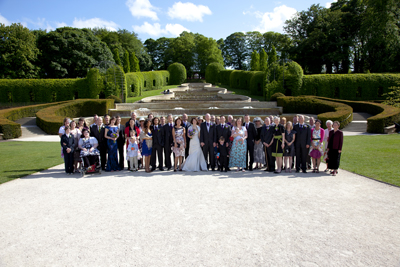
x=242 y=92
x=377 y=157
x=19 y=159
x=149 y=93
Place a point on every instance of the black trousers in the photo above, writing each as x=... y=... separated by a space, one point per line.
x=121 y=156
x=156 y=151
x=69 y=162
x=250 y=150
x=223 y=161
x=103 y=156
x=208 y=151
x=167 y=153
x=301 y=157
x=89 y=160
x=269 y=159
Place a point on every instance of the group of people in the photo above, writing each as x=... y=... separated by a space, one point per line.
x=214 y=143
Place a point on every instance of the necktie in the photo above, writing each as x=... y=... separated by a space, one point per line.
x=208 y=124
x=155 y=127
x=222 y=126
x=247 y=126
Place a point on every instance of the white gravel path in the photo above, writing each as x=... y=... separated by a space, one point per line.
x=198 y=219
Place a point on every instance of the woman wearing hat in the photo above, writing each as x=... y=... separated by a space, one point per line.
x=316 y=148
x=259 y=156
x=141 y=127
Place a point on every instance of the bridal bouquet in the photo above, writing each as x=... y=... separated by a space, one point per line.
x=191 y=133
x=115 y=135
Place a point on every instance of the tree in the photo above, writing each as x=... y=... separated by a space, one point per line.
x=18 y=52
x=69 y=52
x=272 y=57
x=235 y=51
x=134 y=62
x=117 y=59
x=263 y=60
x=255 y=61
x=159 y=52
x=206 y=52
x=127 y=67
x=182 y=50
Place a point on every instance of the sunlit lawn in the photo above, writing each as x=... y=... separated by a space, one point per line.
x=242 y=92
x=149 y=93
x=377 y=157
x=19 y=159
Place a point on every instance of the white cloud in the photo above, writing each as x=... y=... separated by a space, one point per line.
x=4 y=20
x=142 y=8
x=40 y=23
x=274 y=21
x=188 y=11
x=328 y=4
x=156 y=30
x=93 y=23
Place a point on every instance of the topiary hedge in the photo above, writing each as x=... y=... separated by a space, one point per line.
x=326 y=110
x=11 y=129
x=349 y=86
x=137 y=82
x=50 y=119
x=257 y=82
x=42 y=90
x=240 y=79
x=225 y=76
x=384 y=115
x=275 y=96
x=177 y=73
x=212 y=72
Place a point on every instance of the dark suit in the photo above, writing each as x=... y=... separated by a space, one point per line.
x=137 y=124
x=226 y=132
x=158 y=144
x=303 y=138
x=251 y=136
x=188 y=124
x=223 y=156
x=168 y=142
x=266 y=137
x=208 y=137
x=103 y=148
x=68 y=142
x=121 y=143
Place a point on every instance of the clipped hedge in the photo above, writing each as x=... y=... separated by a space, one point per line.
x=50 y=119
x=177 y=73
x=326 y=110
x=240 y=79
x=384 y=115
x=225 y=76
x=257 y=82
x=275 y=96
x=212 y=72
x=11 y=129
x=349 y=86
x=137 y=82
x=42 y=90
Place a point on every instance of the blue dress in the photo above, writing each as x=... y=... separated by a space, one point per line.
x=112 y=161
x=147 y=144
x=238 y=152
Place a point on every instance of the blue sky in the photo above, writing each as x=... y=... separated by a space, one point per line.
x=156 y=18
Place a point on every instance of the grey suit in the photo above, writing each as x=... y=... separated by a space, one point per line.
x=303 y=138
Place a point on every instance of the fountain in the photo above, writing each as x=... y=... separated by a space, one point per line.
x=197 y=99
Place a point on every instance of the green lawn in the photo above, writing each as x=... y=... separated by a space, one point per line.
x=19 y=159
x=242 y=92
x=149 y=93
x=377 y=157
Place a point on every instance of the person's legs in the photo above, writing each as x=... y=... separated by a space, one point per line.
x=135 y=163
x=131 y=163
x=180 y=162
x=290 y=164
x=318 y=163
x=285 y=160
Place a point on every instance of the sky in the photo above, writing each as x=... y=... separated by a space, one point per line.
x=156 y=18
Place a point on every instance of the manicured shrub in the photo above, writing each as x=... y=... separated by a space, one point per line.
x=115 y=82
x=94 y=84
x=225 y=76
x=116 y=98
x=137 y=82
x=51 y=119
x=177 y=73
x=293 y=78
x=240 y=79
x=212 y=72
x=275 y=96
x=257 y=82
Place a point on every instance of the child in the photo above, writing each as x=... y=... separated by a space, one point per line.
x=68 y=144
x=223 y=154
x=132 y=152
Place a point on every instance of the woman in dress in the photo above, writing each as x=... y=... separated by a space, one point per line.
x=147 y=144
x=259 y=155
x=329 y=128
x=178 y=134
x=141 y=127
x=195 y=161
x=278 y=143
x=77 y=135
x=289 y=152
x=111 y=134
x=82 y=124
x=237 y=156
x=88 y=149
x=131 y=127
x=316 y=148
x=335 y=143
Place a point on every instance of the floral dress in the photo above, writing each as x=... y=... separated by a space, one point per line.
x=259 y=155
x=317 y=140
x=237 y=157
x=179 y=138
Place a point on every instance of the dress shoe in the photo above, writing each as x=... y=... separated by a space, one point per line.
x=153 y=170
x=251 y=169
x=228 y=169
x=169 y=168
x=266 y=170
x=161 y=169
x=304 y=171
x=297 y=170
x=213 y=169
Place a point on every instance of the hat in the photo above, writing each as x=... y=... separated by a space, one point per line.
x=257 y=119
x=141 y=119
x=200 y=117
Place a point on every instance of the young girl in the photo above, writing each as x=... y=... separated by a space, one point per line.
x=132 y=152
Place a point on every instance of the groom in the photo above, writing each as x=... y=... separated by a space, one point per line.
x=208 y=137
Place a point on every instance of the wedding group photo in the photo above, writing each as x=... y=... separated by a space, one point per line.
x=200 y=133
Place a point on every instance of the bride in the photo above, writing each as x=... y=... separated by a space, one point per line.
x=195 y=161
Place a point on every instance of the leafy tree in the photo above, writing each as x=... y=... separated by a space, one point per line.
x=182 y=50
x=159 y=52
x=117 y=59
x=206 y=52
x=272 y=58
x=69 y=52
x=254 y=41
x=18 y=52
x=134 y=62
x=255 y=61
x=235 y=51
x=393 y=97
x=263 y=60
x=127 y=67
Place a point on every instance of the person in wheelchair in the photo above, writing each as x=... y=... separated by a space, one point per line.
x=89 y=152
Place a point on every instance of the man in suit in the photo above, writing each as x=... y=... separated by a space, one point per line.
x=168 y=141
x=208 y=137
x=121 y=141
x=224 y=130
x=302 y=144
x=158 y=144
x=96 y=131
x=186 y=124
x=266 y=138
x=251 y=135
x=103 y=143
x=133 y=116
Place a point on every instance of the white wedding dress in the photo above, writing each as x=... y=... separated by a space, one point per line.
x=195 y=161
